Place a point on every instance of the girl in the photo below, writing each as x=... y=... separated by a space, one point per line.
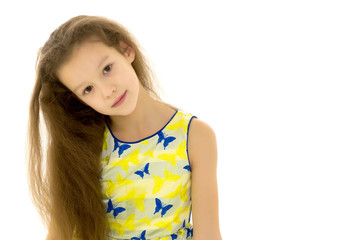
x=120 y=163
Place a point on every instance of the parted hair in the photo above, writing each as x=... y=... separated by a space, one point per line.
x=63 y=164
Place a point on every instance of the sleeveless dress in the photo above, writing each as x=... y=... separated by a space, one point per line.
x=146 y=184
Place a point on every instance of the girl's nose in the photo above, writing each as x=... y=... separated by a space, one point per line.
x=108 y=90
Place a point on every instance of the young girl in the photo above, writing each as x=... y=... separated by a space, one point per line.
x=120 y=163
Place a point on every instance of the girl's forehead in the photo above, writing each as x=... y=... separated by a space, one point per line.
x=84 y=55
x=90 y=48
x=88 y=54
x=83 y=61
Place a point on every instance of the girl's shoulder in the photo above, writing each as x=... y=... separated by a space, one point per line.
x=202 y=144
x=200 y=130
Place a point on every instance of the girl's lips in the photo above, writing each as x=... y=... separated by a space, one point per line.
x=120 y=100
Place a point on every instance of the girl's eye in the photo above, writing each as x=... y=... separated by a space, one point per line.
x=88 y=89
x=107 y=69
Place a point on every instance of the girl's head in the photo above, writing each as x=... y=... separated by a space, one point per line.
x=81 y=61
x=102 y=77
x=83 y=68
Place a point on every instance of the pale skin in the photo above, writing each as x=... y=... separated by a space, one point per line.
x=99 y=75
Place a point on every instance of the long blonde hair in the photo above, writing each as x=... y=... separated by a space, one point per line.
x=64 y=177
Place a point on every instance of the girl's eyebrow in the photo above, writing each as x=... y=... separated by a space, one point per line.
x=77 y=87
x=101 y=62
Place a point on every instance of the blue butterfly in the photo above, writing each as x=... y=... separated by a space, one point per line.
x=121 y=148
x=165 y=138
x=141 y=237
x=187 y=167
x=117 y=210
x=173 y=236
x=161 y=206
x=189 y=232
x=141 y=172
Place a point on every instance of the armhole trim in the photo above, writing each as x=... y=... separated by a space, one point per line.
x=187 y=141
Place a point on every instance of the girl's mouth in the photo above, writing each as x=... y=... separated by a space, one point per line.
x=120 y=100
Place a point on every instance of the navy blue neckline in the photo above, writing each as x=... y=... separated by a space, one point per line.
x=143 y=138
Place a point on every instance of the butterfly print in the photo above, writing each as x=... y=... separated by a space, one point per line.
x=121 y=148
x=142 y=172
x=141 y=237
x=116 y=210
x=165 y=138
x=162 y=206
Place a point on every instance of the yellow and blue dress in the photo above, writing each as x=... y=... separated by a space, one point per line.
x=146 y=185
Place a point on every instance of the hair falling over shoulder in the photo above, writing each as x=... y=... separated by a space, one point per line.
x=64 y=172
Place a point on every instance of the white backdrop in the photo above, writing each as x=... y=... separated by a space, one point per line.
x=277 y=80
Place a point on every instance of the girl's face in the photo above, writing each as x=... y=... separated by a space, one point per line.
x=102 y=77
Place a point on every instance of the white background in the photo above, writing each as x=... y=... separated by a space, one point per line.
x=277 y=80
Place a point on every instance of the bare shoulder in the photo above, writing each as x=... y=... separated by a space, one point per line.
x=202 y=140
x=199 y=128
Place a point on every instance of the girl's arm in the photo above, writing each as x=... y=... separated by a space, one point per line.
x=204 y=194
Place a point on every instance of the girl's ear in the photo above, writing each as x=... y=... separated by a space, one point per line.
x=128 y=51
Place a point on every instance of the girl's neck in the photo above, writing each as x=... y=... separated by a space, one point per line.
x=148 y=117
